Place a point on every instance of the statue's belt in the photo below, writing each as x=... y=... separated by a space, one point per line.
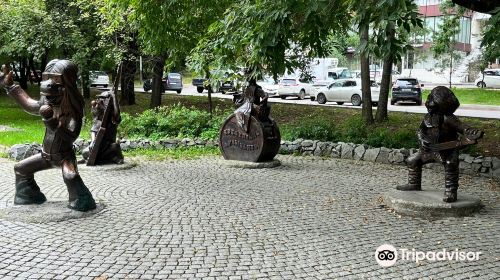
x=56 y=156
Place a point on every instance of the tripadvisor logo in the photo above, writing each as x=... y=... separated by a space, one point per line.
x=386 y=255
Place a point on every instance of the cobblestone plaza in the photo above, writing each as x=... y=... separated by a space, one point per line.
x=309 y=218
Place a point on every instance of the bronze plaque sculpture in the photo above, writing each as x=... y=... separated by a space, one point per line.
x=103 y=148
x=61 y=109
x=250 y=134
x=439 y=139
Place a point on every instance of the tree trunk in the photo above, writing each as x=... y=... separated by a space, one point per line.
x=23 y=80
x=158 y=64
x=365 y=77
x=127 y=82
x=451 y=66
x=32 y=67
x=207 y=77
x=385 y=85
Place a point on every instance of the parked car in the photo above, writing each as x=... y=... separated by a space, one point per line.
x=171 y=82
x=98 y=78
x=407 y=89
x=491 y=79
x=294 y=87
x=269 y=86
x=345 y=90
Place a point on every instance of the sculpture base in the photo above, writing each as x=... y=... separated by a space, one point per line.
x=429 y=204
x=251 y=165
x=50 y=211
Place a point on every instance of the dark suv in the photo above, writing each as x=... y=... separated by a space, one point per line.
x=171 y=81
x=407 y=89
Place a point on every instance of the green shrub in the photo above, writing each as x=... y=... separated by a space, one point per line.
x=169 y=122
x=352 y=130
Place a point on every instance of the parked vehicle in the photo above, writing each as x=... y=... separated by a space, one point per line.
x=269 y=86
x=491 y=79
x=339 y=73
x=171 y=82
x=346 y=90
x=407 y=89
x=294 y=87
x=199 y=83
x=98 y=78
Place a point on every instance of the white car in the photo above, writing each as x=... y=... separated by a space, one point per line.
x=99 y=78
x=346 y=90
x=269 y=86
x=491 y=79
x=295 y=87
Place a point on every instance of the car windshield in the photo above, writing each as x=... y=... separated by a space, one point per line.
x=289 y=81
x=406 y=82
x=174 y=76
x=98 y=73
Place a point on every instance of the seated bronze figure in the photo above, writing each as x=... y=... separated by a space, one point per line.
x=103 y=148
x=61 y=108
x=250 y=134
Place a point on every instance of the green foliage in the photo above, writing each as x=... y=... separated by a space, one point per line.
x=491 y=38
x=178 y=153
x=270 y=37
x=170 y=122
x=352 y=130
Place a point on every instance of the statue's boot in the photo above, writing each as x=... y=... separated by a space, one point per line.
x=80 y=198
x=414 y=180
x=451 y=184
x=27 y=191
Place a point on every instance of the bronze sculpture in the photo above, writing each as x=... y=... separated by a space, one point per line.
x=250 y=134
x=438 y=135
x=61 y=108
x=103 y=148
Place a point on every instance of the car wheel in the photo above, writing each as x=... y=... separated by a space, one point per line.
x=223 y=92
x=302 y=94
x=283 y=97
x=393 y=102
x=313 y=98
x=375 y=104
x=199 y=89
x=179 y=91
x=340 y=103
x=481 y=84
x=321 y=98
x=106 y=85
x=419 y=102
x=356 y=100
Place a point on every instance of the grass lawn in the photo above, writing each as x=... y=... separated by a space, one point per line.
x=473 y=96
x=295 y=121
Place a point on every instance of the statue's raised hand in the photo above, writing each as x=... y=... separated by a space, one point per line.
x=6 y=78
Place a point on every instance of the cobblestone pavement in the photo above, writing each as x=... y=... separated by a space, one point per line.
x=307 y=219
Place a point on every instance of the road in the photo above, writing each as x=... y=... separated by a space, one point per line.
x=465 y=110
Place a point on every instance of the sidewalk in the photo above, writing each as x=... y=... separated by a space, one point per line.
x=198 y=219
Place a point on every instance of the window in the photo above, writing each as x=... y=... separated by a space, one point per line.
x=289 y=81
x=349 y=84
x=406 y=82
x=332 y=75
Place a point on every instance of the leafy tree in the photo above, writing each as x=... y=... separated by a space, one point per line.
x=396 y=20
x=444 y=39
x=169 y=30
x=27 y=32
x=270 y=37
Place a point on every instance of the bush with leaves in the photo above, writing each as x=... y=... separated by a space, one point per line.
x=172 y=122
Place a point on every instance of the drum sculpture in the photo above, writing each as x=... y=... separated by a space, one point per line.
x=250 y=134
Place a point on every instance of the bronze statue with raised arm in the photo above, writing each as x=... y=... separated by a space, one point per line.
x=61 y=108
x=440 y=141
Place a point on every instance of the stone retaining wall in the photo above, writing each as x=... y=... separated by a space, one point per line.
x=482 y=166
